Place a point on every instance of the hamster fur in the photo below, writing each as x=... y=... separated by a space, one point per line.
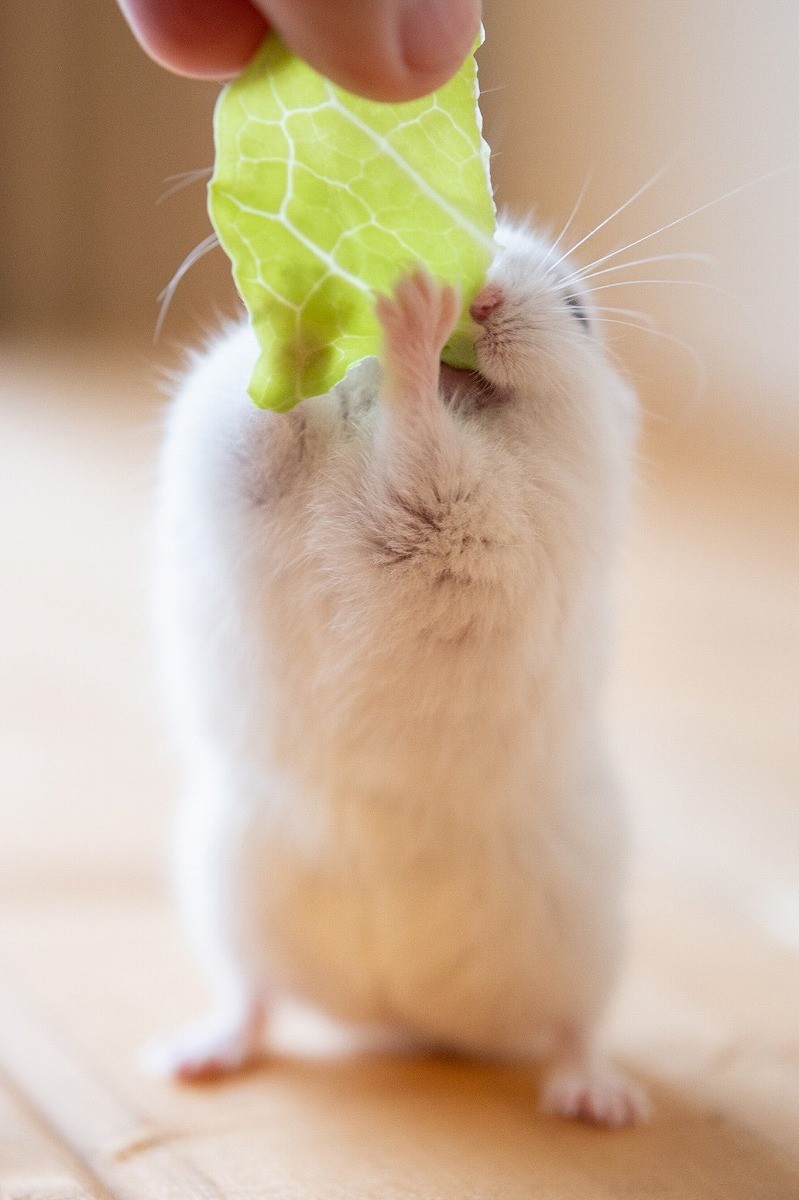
x=384 y=621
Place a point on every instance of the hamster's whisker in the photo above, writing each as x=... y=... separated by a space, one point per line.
x=184 y=179
x=618 y=321
x=645 y=318
x=586 y=273
x=661 y=171
x=751 y=312
x=698 y=361
x=703 y=283
x=191 y=258
x=572 y=215
x=742 y=187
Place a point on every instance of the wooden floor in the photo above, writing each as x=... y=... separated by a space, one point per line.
x=704 y=711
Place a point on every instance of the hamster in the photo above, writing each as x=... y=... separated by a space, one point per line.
x=384 y=621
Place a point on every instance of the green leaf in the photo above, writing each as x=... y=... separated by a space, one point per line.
x=321 y=198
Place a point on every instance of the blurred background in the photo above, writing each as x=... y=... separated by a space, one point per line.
x=607 y=91
x=578 y=94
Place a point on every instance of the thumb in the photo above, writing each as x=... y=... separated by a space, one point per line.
x=389 y=50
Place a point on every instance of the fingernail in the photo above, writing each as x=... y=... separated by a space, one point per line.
x=437 y=34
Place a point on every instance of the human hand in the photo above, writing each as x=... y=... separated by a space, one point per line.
x=390 y=50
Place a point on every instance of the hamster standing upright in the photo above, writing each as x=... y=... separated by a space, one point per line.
x=384 y=622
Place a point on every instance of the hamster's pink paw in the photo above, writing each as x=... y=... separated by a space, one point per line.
x=417 y=320
x=420 y=310
x=217 y=1045
x=598 y=1096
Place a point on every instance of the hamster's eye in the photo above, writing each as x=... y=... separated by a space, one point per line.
x=579 y=312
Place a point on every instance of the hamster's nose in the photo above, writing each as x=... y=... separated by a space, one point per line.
x=487 y=301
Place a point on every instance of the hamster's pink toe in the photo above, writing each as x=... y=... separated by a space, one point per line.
x=598 y=1097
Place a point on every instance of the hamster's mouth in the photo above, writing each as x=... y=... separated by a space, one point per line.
x=457 y=376
x=457 y=384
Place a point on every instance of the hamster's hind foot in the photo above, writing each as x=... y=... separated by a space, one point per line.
x=595 y=1094
x=225 y=1041
x=582 y=1086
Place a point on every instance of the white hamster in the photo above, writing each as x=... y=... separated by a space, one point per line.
x=384 y=623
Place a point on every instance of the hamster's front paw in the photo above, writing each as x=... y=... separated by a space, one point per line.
x=417 y=320
x=596 y=1095
x=217 y=1045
